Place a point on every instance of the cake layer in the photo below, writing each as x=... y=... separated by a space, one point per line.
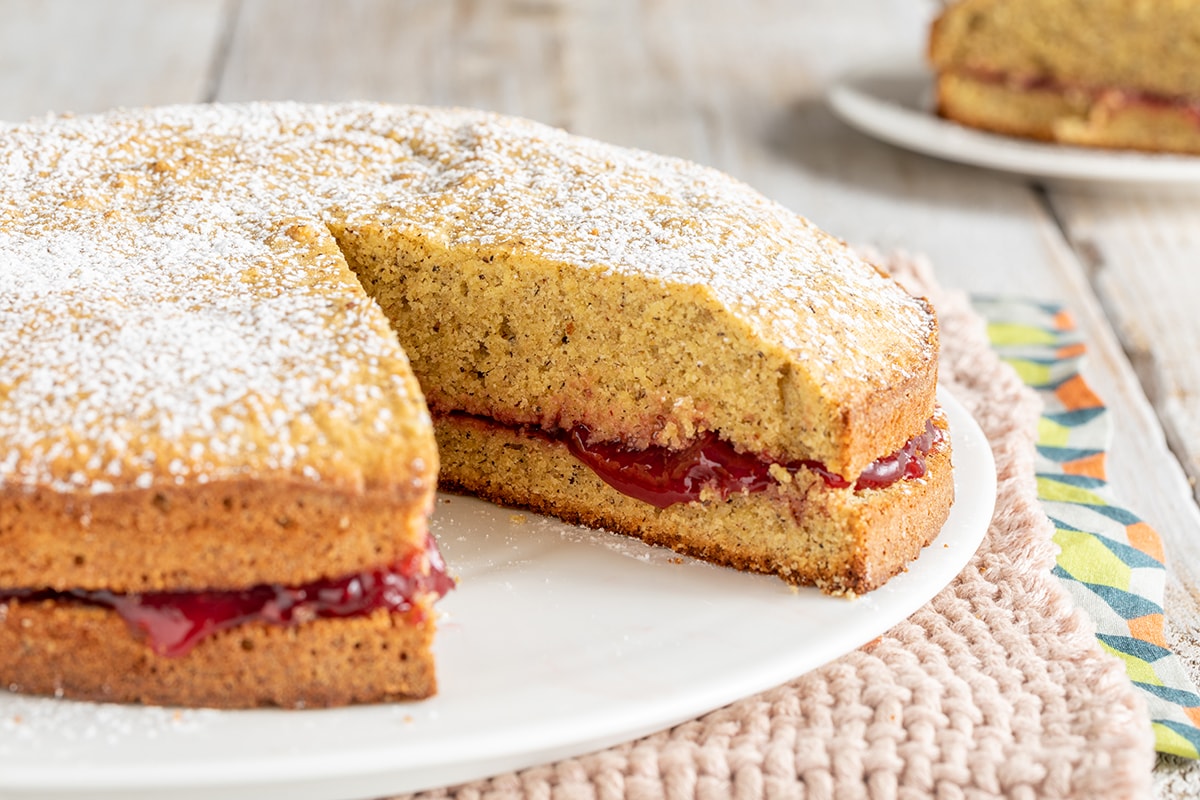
x=1111 y=118
x=219 y=535
x=177 y=334
x=841 y=540
x=87 y=653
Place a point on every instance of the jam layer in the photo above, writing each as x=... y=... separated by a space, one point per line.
x=1115 y=95
x=663 y=477
x=172 y=623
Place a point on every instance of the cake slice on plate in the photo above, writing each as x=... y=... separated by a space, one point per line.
x=1103 y=73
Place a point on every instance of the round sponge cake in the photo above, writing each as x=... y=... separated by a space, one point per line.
x=212 y=311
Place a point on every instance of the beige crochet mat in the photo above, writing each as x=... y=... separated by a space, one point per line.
x=996 y=688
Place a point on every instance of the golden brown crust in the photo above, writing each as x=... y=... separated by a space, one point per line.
x=882 y=420
x=513 y=206
x=839 y=540
x=810 y=336
x=88 y=653
x=221 y=535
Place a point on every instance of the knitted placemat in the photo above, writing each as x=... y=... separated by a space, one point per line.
x=996 y=688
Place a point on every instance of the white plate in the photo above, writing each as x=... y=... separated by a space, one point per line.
x=558 y=642
x=896 y=106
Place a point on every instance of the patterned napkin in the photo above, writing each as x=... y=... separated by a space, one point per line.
x=998 y=687
x=1110 y=560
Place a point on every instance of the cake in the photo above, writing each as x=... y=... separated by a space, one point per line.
x=1105 y=73
x=234 y=332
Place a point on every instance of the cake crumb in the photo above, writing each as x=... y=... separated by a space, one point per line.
x=780 y=473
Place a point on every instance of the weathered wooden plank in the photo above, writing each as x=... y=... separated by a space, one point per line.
x=504 y=56
x=1142 y=250
x=79 y=56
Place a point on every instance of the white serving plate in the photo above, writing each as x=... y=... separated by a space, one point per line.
x=558 y=641
x=895 y=105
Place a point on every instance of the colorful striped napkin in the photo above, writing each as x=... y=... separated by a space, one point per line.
x=1111 y=561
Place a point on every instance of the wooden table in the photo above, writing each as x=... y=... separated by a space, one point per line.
x=735 y=85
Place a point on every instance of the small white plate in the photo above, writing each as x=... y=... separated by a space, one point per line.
x=896 y=106
x=559 y=641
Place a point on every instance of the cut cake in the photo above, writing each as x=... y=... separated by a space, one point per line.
x=203 y=402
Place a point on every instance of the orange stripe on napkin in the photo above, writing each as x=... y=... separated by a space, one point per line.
x=1092 y=466
x=1077 y=395
x=1071 y=350
x=1193 y=714
x=1146 y=539
x=1149 y=629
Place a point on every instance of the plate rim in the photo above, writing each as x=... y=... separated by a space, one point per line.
x=364 y=774
x=910 y=123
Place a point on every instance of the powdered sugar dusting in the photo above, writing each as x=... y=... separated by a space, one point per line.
x=67 y=728
x=179 y=317
x=495 y=182
x=175 y=307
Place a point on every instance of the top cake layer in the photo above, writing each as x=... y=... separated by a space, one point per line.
x=1134 y=46
x=177 y=310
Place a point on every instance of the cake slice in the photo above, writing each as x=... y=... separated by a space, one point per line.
x=1105 y=73
x=216 y=466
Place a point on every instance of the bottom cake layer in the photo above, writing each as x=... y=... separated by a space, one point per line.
x=69 y=649
x=844 y=541
x=1106 y=118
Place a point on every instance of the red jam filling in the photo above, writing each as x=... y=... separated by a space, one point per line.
x=664 y=477
x=174 y=622
x=1124 y=96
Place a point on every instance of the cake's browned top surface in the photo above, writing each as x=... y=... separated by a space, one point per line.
x=173 y=307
